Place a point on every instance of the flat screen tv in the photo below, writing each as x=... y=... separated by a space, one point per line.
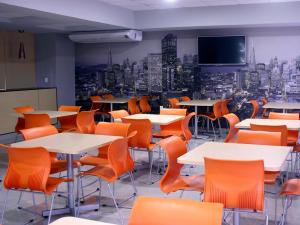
x=222 y=50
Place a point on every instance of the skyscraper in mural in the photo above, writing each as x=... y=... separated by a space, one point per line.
x=155 y=72
x=169 y=59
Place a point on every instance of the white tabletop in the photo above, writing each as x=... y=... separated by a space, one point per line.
x=52 y=114
x=282 y=105
x=273 y=156
x=198 y=103
x=77 y=221
x=113 y=100
x=155 y=118
x=291 y=124
x=69 y=143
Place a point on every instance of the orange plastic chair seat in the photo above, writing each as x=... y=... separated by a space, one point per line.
x=53 y=182
x=93 y=160
x=190 y=183
x=270 y=177
x=291 y=187
x=61 y=165
x=296 y=148
x=104 y=172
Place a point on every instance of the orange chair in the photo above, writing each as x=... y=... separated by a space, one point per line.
x=279 y=128
x=108 y=96
x=265 y=112
x=98 y=107
x=103 y=128
x=224 y=106
x=214 y=116
x=132 y=106
x=255 y=108
x=290 y=189
x=172 y=181
x=292 y=134
x=232 y=120
x=262 y=138
x=36 y=120
x=173 y=128
x=57 y=166
x=173 y=103
x=185 y=98
x=240 y=185
x=142 y=140
x=28 y=170
x=68 y=122
x=118 y=114
x=144 y=104
x=119 y=164
x=186 y=132
x=85 y=122
x=21 y=121
x=161 y=211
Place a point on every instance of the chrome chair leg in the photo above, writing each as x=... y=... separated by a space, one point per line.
x=133 y=183
x=212 y=125
x=51 y=207
x=150 y=155
x=181 y=193
x=100 y=185
x=115 y=203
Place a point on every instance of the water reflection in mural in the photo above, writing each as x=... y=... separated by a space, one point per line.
x=165 y=75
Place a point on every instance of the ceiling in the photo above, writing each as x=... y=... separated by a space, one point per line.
x=167 y=4
x=18 y=18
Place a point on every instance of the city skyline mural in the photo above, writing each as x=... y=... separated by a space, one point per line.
x=164 y=75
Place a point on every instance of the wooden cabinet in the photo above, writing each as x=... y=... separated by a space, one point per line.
x=43 y=99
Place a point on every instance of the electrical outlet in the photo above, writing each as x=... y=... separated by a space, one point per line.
x=46 y=79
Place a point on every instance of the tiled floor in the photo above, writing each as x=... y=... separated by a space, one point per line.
x=123 y=189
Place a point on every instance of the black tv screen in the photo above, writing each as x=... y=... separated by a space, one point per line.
x=220 y=50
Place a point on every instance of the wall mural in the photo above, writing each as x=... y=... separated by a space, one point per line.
x=164 y=75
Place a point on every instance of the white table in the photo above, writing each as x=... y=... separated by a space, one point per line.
x=273 y=156
x=156 y=119
x=77 y=221
x=70 y=144
x=196 y=104
x=282 y=105
x=291 y=124
x=52 y=114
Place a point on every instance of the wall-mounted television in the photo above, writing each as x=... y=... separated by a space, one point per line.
x=222 y=50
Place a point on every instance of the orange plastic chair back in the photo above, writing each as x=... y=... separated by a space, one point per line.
x=85 y=122
x=185 y=126
x=24 y=109
x=144 y=132
x=236 y=184
x=132 y=106
x=255 y=107
x=36 y=120
x=232 y=120
x=68 y=122
x=21 y=121
x=173 y=103
x=174 y=147
x=279 y=128
x=114 y=129
x=224 y=106
x=162 y=211
x=144 y=104
x=176 y=126
x=259 y=137
x=108 y=96
x=28 y=168
x=117 y=114
x=217 y=109
x=95 y=105
x=265 y=111
x=284 y=116
x=178 y=112
x=38 y=132
x=119 y=157
x=292 y=134
x=185 y=98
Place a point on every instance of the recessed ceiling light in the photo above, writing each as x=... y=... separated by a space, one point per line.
x=170 y=0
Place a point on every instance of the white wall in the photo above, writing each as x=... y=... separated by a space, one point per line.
x=268 y=42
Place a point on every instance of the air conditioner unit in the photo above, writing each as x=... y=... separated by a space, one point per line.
x=107 y=36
